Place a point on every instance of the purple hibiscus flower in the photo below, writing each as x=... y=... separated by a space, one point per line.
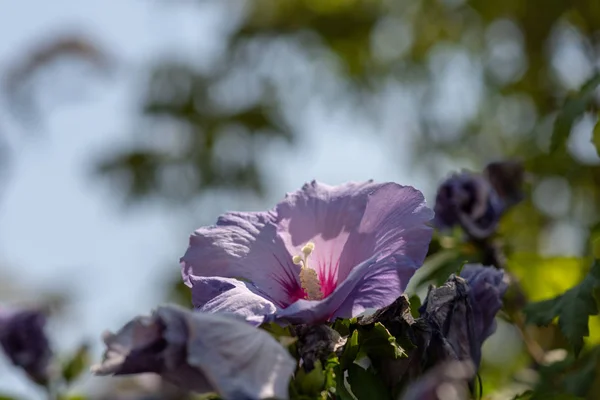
x=201 y=352
x=24 y=341
x=323 y=252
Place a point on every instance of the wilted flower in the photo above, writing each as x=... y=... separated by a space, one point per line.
x=24 y=341
x=476 y=202
x=323 y=252
x=447 y=381
x=201 y=352
x=462 y=312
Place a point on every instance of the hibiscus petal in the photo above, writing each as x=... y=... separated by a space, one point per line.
x=351 y=222
x=201 y=352
x=213 y=295
x=394 y=223
x=373 y=284
x=243 y=245
x=322 y=210
x=380 y=285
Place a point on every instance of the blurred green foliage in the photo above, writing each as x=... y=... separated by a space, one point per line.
x=76 y=365
x=572 y=308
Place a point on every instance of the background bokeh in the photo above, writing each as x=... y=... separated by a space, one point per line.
x=126 y=124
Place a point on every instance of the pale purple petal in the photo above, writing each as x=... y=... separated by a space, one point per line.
x=230 y=295
x=380 y=286
x=373 y=284
x=394 y=223
x=352 y=222
x=324 y=215
x=201 y=352
x=243 y=245
x=242 y=361
x=319 y=210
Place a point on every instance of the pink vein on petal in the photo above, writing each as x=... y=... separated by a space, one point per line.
x=327 y=274
x=289 y=284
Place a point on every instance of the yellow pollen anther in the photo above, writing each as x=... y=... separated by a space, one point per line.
x=308 y=248
x=309 y=279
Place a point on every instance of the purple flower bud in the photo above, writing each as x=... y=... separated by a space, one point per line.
x=24 y=341
x=201 y=352
x=486 y=289
x=447 y=381
x=470 y=201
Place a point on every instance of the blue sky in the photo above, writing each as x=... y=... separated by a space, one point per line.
x=59 y=229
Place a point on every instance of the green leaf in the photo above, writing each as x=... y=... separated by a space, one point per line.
x=276 y=330
x=524 y=396
x=340 y=382
x=573 y=108
x=340 y=388
x=71 y=397
x=366 y=385
x=179 y=293
x=347 y=359
x=377 y=341
x=207 y=396
x=77 y=364
x=311 y=383
x=282 y=335
x=415 y=304
x=331 y=366
x=579 y=381
x=350 y=351
x=542 y=313
x=436 y=269
x=596 y=136
x=573 y=309
x=344 y=326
